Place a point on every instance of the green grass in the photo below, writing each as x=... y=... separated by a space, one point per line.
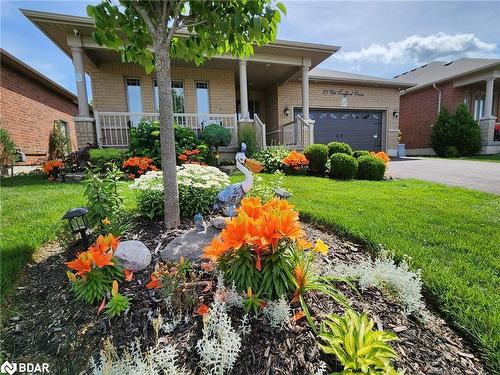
x=31 y=212
x=491 y=158
x=452 y=234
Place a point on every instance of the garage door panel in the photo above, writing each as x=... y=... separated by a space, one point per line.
x=362 y=130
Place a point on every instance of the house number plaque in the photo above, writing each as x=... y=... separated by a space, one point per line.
x=342 y=92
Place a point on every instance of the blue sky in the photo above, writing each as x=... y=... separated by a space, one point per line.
x=377 y=38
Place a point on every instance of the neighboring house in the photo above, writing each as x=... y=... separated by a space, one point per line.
x=275 y=89
x=30 y=104
x=474 y=82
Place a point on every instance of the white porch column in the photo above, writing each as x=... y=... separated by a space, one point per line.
x=243 y=90
x=305 y=92
x=81 y=88
x=488 y=102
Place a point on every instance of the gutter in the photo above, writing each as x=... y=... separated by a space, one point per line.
x=439 y=97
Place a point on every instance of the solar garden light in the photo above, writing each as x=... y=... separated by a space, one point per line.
x=77 y=218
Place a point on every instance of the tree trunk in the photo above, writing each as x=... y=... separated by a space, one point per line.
x=167 y=139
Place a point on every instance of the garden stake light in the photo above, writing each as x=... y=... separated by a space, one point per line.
x=77 y=218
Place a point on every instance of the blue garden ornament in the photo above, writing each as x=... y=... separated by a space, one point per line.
x=199 y=223
x=230 y=197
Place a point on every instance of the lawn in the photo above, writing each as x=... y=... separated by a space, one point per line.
x=31 y=212
x=452 y=234
x=491 y=158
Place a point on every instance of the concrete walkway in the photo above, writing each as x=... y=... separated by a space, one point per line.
x=469 y=174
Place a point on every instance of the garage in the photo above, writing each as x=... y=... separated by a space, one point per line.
x=362 y=130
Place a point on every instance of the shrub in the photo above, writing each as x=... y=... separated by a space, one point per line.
x=102 y=158
x=317 y=154
x=357 y=154
x=76 y=161
x=216 y=136
x=7 y=149
x=264 y=189
x=398 y=281
x=343 y=166
x=58 y=143
x=137 y=166
x=198 y=188
x=459 y=130
x=451 y=152
x=357 y=346
x=272 y=158
x=339 y=148
x=295 y=163
x=370 y=168
x=277 y=313
x=248 y=136
x=145 y=140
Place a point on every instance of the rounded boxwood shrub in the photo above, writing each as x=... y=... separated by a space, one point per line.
x=451 y=152
x=317 y=154
x=343 y=166
x=339 y=148
x=216 y=136
x=370 y=168
x=357 y=154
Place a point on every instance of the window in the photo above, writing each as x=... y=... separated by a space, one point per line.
x=202 y=102
x=177 y=96
x=134 y=98
x=478 y=107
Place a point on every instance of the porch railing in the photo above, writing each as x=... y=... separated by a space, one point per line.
x=260 y=131
x=298 y=134
x=112 y=127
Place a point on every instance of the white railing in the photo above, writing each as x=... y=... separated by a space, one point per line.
x=112 y=127
x=298 y=134
x=260 y=132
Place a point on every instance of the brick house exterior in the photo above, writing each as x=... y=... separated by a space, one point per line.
x=30 y=104
x=435 y=87
x=279 y=89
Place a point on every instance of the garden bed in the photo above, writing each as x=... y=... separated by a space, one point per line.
x=50 y=326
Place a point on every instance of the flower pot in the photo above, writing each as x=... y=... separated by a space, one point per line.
x=401 y=150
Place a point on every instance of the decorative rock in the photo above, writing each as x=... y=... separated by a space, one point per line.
x=133 y=255
x=218 y=221
x=227 y=168
x=282 y=193
x=189 y=245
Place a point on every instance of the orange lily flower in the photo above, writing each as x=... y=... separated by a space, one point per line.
x=251 y=206
x=101 y=259
x=82 y=264
x=128 y=275
x=202 y=309
x=154 y=283
x=300 y=278
x=289 y=226
x=215 y=249
x=303 y=244
x=298 y=315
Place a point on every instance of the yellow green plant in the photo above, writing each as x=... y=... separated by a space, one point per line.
x=359 y=348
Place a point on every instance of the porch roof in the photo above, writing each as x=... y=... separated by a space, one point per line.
x=57 y=27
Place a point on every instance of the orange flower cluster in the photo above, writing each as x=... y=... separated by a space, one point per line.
x=51 y=168
x=138 y=165
x=99 y=255
x=190 y=157
x=260 y=227
x=295 y=160
x=382 y=156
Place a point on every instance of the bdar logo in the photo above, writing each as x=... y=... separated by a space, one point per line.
x=8 y=368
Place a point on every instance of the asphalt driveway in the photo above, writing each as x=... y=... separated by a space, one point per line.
x=469 y=174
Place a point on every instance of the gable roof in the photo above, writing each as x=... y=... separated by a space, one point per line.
x=9 y=60
x=440 y=71
x=327 y=75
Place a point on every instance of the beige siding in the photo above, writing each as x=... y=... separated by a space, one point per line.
x=109 y=93
x=385 y=99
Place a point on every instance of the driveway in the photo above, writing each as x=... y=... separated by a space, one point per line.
x=477 y=175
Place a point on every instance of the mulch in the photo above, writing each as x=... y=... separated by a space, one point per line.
x=48 y=325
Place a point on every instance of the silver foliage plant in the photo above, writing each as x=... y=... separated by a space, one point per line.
x=277 y=313
x=399 y=281
x=157 y=360
x=220 y=345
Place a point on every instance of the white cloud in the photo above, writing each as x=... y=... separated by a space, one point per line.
x=421 y=49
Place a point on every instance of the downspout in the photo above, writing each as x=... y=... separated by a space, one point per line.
x=439 y=96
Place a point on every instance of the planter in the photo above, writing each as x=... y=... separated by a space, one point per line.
x=401 y=150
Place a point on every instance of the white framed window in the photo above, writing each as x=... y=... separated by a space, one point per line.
x=478 y=107
x=202 y=103
x=134 y=98
x=177 y=96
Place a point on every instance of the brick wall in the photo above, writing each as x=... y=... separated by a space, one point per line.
x=384 y=99
x=28 y=112
x=109 y=91
x=419 y=111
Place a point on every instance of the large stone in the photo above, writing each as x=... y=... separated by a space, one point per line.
x=133 y=255
x=189 y=245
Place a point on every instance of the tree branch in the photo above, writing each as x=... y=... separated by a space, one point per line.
x=175 y=22
x=145 y=16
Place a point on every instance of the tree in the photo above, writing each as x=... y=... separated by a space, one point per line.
x=466 y=132
x=441 y=137
x=182 y=29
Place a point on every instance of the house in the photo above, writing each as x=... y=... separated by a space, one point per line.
x=279 y=89
x=474 y=82
x=30 y=106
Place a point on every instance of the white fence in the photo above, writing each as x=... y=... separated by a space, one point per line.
x=260 y=132
x=297 y=134
x=112 y=127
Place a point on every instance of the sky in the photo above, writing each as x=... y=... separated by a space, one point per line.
x=381 y=39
